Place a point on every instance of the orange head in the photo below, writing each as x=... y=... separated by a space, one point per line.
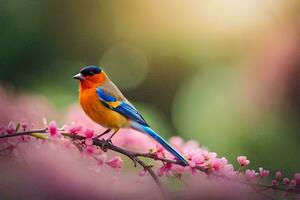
x=91 y=77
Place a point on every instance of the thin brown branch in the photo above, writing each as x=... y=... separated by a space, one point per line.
x=23 y=133
x=134 y=156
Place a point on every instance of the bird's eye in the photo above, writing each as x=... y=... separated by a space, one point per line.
x=90 y=71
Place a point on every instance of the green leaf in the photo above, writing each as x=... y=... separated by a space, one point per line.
x=39 y=136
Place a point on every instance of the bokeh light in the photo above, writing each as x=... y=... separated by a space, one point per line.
x=125 y=64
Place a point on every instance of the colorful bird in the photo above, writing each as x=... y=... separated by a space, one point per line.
x=103 y=102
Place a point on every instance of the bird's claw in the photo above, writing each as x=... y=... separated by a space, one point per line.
x=105 y=144
x=109 y=141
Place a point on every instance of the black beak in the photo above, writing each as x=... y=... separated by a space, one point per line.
x=78 y=76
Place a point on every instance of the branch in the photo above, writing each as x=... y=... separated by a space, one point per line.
x=23 y=133
x=104 y=145
x=134 y=156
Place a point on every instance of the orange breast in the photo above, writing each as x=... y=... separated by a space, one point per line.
x=99 y=113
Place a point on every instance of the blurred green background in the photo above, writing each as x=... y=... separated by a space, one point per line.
x=223 y=72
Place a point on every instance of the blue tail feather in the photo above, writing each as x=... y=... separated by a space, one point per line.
x=160 y=140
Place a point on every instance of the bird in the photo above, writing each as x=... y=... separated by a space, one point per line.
x=104 y=103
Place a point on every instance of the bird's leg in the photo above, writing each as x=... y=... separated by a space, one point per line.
x=112 y=135
x=105 y=132
x=107 y=142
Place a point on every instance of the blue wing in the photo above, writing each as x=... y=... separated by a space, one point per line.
x=120 y=106
x=127 y=110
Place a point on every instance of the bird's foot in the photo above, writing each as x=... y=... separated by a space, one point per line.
x=109 y=141
x=105 y=144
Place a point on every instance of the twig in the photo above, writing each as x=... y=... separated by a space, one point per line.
x=134 y=156
x=23 y=133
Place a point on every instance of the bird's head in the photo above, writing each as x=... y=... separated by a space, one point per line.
x=91 y=76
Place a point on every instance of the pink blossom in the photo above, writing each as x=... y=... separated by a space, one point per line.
x=24 y=125
x=88 y=133
x=164 y=169
x=278 y=175
x=101 y=158
x=11 y=128
x=177 y=169
x=242 y=160
x=160 y=151
x=196 y=160
x=250 y=174
x=143 y=172
x=263 y=172
x=90 y=149
x=217 y=164
x=297 y=178
x=274 y=182
x=89 y=136
x=192 y=170
x=52 y=128
x=24 y=138
x=293 y=183
x=190 y=153
x=115 y=162
x=88 y=141
x=209 y=155
x=176 y=142
x=74 y=128
x=286 y=180
x=228 y=170
x=191 y=144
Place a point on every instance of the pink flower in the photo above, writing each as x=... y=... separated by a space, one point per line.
x=286 y=180
x=24 y=125
x=263 y=172
x=297 y=178
x=52 y=128
x=143 y=172
x=228 y=170
x=88 y=133
x=24 y=138
x=242 y=160
x=278 y=175
x=88 y=141
x=192 y=170
x=209 y=155
x=293 y=183
x=176 y=142
x=196 y=160
x=115 y=162
x=89 y=136
x=160 y=151
x=177 y=169
x=90 y=149
x=164 y=169
x=274 y=182
x=250 y=174
x=74 y=128
x=218 y=163
x=101 y=158
x=11 y=128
